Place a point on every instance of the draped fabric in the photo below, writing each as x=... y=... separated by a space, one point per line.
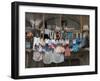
x=59 y=49
x=50 y=57
x=37 y=56
x=36 y=40
x=67 y=51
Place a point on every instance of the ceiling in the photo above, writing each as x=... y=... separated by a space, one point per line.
x=55 y=19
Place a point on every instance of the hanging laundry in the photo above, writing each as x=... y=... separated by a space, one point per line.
x=53 y=41
x=57 y=42
x=78 y=41
x=37 y=56
x=57 y=58
x=67 y=41
x=29 y=41
x=42 y=42
x=47 y=44
x=36 y=41
x=61 y=41
x=52 y=46
x=51 y=34
x=75 y=47
x=69 y=35
x=64 y=35
x=47 y=58
x=46 y=34
x=27 y=45
x=83 y=43
x=67 y=51
x=47 y=31
x=58 y=35
x=54 y=35
x=59 y=49
x=29 y=35
x=40 y=49
x=51 y=57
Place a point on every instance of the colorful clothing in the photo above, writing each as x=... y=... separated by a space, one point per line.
x=63 y=35
x=37 y=56
x=51 y=57
x=42 y=42
x=58 y=35
x=28 y=45
x=59 y=49
x=67 y=51
x=36 y=40
x=47 y=31
x=75 y=46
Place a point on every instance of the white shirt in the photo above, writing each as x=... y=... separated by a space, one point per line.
x=36 y=40
x=47 y=31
